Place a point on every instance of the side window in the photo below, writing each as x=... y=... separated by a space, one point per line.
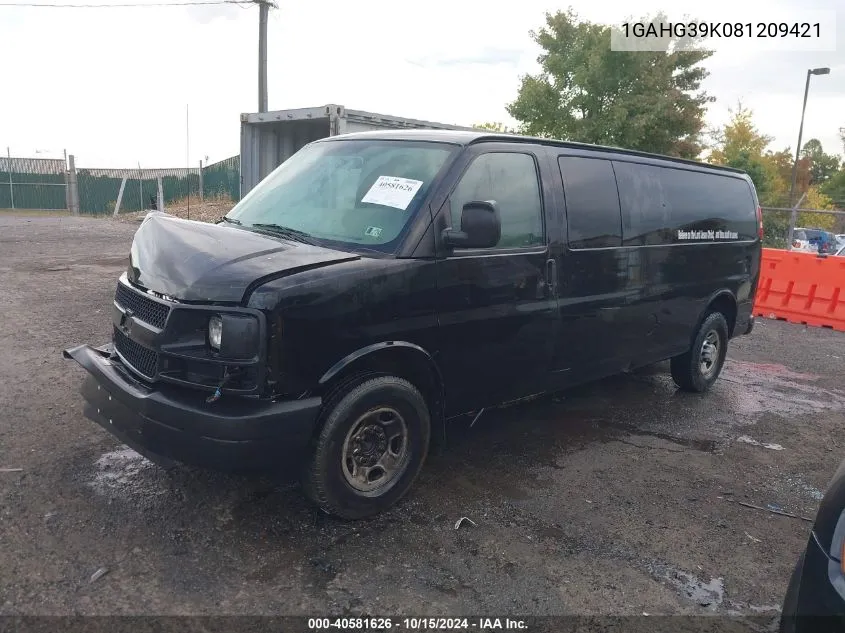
x=511 y=180
x=592 y=202
x=646 y=211
x=662 y=205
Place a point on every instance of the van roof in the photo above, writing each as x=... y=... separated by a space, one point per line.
x=468 y=137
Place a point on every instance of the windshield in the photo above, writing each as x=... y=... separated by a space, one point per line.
x=357 y=192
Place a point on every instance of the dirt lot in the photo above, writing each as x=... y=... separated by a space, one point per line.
x=617 y=499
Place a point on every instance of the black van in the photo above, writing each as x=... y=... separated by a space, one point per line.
x=377 y=284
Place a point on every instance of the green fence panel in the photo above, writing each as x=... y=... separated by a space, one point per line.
x=100 y=188
x=222 y=179
x=32 y=183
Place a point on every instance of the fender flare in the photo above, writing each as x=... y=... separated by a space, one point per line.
x=722 y=292
x=358 y=354
x=363 y=352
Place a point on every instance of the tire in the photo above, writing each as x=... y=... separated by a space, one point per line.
x=790 y=601
x=689 y=370
x=372 y=441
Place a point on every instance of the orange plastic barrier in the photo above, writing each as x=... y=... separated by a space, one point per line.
x=802 y=288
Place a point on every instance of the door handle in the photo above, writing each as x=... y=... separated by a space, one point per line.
x=551 y=274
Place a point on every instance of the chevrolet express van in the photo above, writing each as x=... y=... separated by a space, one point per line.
x=376 y=285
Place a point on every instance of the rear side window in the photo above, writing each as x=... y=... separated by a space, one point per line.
x=592 y=202
x=662 y=205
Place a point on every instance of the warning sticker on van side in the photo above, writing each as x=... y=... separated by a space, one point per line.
x=707 y=235
x=392 y=191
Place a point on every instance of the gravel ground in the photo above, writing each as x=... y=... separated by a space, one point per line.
x=618 y=498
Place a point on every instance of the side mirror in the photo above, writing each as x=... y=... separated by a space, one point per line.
x=480 y=226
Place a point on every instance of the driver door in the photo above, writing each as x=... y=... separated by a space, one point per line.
x=497 y=311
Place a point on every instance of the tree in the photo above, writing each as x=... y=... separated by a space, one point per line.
x=779 y=168
x=816 y=200
x=834 y=188
x=822 y=166
x=739 y=136
x=586 y=92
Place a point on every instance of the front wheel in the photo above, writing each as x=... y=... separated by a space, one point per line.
x=371 y=446
x=697 y=369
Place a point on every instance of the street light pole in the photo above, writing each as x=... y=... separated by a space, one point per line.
x=810 y=72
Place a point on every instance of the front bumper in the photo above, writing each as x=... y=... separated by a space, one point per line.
x=234 y=433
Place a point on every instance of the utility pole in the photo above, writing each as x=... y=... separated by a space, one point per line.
x=263 y=11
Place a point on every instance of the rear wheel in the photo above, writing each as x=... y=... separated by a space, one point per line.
x=697 y=369
x=371 y=446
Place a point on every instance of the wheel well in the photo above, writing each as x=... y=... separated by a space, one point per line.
x=725 y=304
x=402 y=362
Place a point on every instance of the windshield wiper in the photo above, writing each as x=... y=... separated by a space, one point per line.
x=284 y=231
x=230 y=220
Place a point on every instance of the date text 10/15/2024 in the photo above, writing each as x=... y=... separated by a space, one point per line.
x=416 y=624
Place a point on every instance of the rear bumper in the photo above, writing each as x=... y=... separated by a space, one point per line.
x=234 y=433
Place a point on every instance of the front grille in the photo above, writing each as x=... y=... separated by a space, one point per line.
x=145 y=309
x=140 y=358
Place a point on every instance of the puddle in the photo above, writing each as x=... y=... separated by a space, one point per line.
x=705 y=594
x=121 y=471
x=767 y=387
x=707 y=446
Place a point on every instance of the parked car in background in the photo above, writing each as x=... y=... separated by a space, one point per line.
x=820 y=241
x=841 y=251
x=840 y=239
x=801 y=242
x=815 y=598
x=827 y=242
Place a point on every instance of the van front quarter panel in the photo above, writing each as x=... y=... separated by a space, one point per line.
x=323 y=316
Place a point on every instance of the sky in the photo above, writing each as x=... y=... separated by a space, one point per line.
x=165 y=86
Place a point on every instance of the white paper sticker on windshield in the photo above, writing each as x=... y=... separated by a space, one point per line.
x=392 y=191
x=373 y=231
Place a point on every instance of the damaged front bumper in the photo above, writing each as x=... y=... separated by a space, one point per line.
x=174 y=423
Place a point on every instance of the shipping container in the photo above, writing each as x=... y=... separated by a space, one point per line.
x=270 y=138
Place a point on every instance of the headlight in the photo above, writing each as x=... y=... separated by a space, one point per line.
x=215 y=331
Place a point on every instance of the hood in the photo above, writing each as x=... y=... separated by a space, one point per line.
x=195 y=261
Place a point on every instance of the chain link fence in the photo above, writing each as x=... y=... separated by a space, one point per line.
x=112 y=191
x=33 y=183
x=776 y=223
x=222 y=180
x=56 y=184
